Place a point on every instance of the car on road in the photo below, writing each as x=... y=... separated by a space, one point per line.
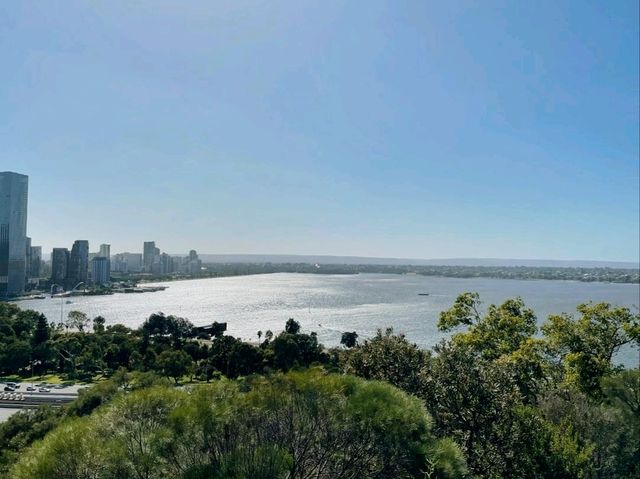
x=9 y=388
x=13 y=385
x=44 y=390
x=31 y=388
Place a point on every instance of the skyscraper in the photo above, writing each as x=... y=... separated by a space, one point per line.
x=36 y=262
x=149 y=254
x=128 y=262
x=105 y=251
x=100 y=270
x=13 y=232
x=78 y=263
x=27 y=260
x=59 y=266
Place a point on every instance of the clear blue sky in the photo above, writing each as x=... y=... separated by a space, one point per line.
x=406 y=129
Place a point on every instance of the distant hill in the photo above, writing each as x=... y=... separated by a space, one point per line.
x=322 y=259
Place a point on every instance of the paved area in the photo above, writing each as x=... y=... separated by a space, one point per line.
x=57 y=395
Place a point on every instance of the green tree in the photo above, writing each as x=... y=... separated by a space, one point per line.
x=14 y=355
x=585 y=346
x=233 y=357
x=175 y=364
x=41 y=333
x=501 y=331
x=478 y=403
x=292 y=326
x=505 y=333
x=20 y=430
x=349 y=339
x=298 y=425
x=391 y=358
x=98 y=324
x=295 y=349
x=77 y=320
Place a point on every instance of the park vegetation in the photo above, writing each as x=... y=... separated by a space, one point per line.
x=500 y=397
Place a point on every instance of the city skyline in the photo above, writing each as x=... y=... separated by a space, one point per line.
x=429 y=130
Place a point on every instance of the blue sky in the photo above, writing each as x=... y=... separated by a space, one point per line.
x=404 y=129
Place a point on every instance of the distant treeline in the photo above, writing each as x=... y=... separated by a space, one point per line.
x=613 y=275
x=217 y=270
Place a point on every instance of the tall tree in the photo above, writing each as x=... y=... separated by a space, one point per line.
x=585 y=346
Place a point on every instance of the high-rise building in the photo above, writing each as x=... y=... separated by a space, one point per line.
x=59 y=266
x=78 y=271
x=149 y=254
x=105 y=251
x=128 y=262
x=100 y=270
x=194 y=264
x=13 y=232
x=27 y=260
x=166 y=264
x=36 y=262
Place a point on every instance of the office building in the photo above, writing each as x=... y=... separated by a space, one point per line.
x=105 y=251
x=59 y=266
x=36 y=262
x=127 y=262
x=100 y=270
x=194 y=264
x=27 y=260
x=13 y=232
x=78 y=270
x=32 y=267
x=151 y=255
x=166 y=264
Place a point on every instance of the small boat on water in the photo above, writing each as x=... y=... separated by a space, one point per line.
x=423 y=294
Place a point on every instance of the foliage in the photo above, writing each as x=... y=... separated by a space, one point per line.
x=303 y=424
x=22 y=429
x=233 y=358
x=292 y=326
x=611 y=436
x=349 y=339
x=77 y=320
x=391 y=358
x=509 y=402
x=586 y=345
x=478 y=403
x=175 y=364
x=501 y=331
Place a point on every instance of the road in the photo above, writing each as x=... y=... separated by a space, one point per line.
x=57 y=396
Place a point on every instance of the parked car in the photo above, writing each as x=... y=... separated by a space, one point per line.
x=9 y=388
x=31 y=388
x=13 y=385
x=44 y=390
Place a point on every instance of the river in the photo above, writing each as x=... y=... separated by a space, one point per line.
x=332 y=304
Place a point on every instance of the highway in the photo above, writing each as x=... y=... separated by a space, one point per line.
x=11 y=402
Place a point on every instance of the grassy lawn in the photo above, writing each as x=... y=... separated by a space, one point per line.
x=47 y=378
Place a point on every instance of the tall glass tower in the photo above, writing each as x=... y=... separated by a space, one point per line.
x=13 y=232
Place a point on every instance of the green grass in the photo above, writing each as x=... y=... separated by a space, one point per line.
x=47 y=378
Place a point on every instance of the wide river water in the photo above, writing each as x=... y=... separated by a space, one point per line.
x=332 y=304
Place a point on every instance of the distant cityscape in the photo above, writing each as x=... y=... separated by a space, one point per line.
x=22 y=268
